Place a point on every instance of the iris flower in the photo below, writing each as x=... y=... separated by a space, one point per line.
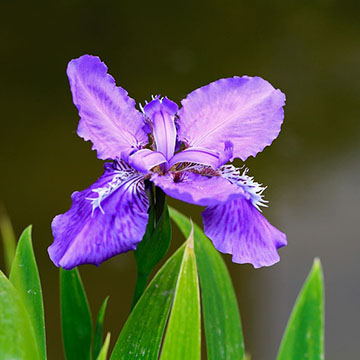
x=183 y=151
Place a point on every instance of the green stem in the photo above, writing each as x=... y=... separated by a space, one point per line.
x=159 y=204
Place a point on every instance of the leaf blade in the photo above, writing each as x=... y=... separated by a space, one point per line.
x=224 y=339
x=99 y=328
x=17 y=338
x=158 y=243
x=304 y=334
x=183 y=338
x=75 y=316
x=24 y=275
x=142 y=333
x=152 y=248
x=105 y=348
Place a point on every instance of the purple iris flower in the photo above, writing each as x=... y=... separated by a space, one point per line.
x=184 y=152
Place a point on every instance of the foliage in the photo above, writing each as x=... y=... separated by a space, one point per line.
x=165 y=321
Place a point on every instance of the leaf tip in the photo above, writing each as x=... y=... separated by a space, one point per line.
x=190 y=240
x=317 y=267
x=28 y=231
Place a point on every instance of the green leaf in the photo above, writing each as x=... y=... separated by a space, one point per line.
x=304 y=334
x=104 y=350
x=17 y=338
x=157 y=243
x=183 y=335
x=152 y=248
x=143 y=331
x=224 y=339
x=99 y=328
x=8 y=237
x=24 y=276
x=75 y=316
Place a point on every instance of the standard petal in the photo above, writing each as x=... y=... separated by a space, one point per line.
x=161 y=113
x=247 y=111
x=107 y=114
x=106 y=219
x=197 y=189
x=238 y=228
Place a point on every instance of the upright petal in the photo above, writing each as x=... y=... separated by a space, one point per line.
x=107 y=114
x=197 y=189
x=107 y=219
x=246 y=111
x=161 y=113
x=238 y=228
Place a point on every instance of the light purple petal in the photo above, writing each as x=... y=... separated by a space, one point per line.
x=197 y=189
x=144 y=160
x=108 y=115
x=106 y=219
x=203 y=156
x=239 y=229
x=162 y=116
x=247 y=111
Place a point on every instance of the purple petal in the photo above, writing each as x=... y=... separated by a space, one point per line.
x=244 y=110
x=162 y=116
x=239 y=229
x=108 y=115
x=144 y=160
x=197 y=189
x=203 y=156
x=106 y=219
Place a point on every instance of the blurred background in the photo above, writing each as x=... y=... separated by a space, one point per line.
x=308 y=49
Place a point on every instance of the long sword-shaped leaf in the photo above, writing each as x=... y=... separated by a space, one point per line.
x=104 y=350
x=304 y=334
x=75 y=316
x=224 y=339
x=152 y=248
x=183 y=335
x=143 y=331
x=17 y=338
x=99 y=328
x=157 y=243
x=24 y=276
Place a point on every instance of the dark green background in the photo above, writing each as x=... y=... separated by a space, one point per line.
x=309 y=49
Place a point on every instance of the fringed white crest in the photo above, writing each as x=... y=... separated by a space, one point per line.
x=123 y=173
x=253 y=189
